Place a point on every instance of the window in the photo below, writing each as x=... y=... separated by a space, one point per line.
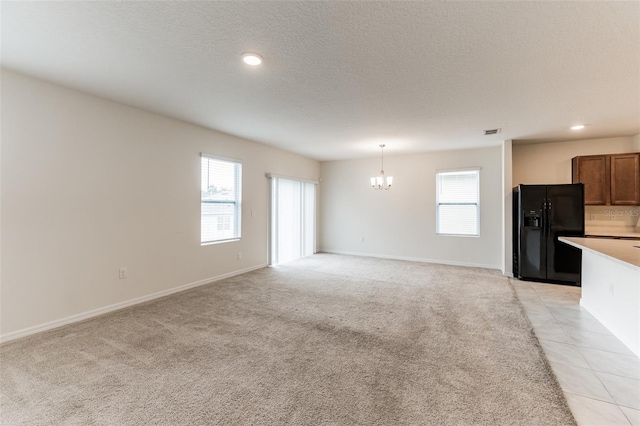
x=457 y=204
x=220 y=200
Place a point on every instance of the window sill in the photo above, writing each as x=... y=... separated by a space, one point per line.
x=210 y=243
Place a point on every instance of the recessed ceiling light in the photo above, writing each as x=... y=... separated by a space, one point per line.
x=577 y=127
x=252 y=59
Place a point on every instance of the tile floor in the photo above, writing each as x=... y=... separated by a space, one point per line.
x=599 y=375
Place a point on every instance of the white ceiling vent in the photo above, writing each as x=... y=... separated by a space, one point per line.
x=492 y=132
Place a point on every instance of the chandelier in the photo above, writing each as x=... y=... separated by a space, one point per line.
x=382 y=181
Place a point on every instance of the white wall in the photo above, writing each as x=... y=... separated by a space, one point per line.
x=89 y=185
x=551 y=162
x=400 y=223
x=507 y=208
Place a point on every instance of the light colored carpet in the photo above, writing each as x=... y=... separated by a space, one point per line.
x=329 y=339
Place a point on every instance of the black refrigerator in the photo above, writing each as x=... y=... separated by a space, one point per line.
x=541 y=214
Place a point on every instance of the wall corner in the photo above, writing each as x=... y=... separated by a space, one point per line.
x=507 y=200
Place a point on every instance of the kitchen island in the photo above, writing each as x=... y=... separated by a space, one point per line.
x=611 y=285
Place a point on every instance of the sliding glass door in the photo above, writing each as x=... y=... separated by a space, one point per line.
x=293 y=219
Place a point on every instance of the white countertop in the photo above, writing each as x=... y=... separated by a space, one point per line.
x=600 y=230
x=621 y=251
x=614 y=234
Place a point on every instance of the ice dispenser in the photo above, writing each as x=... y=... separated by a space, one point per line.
x=532 y=219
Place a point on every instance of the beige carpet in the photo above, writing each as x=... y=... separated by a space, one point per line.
x=330 y=339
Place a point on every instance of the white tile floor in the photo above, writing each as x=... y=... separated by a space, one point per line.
x=599 y=375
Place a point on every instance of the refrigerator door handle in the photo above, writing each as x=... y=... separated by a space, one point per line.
x=547 y=217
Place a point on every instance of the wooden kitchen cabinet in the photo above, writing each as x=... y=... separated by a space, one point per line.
x=608 y=179
x=625 y=179
x=593 y=171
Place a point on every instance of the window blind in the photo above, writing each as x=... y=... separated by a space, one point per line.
x=220 y=200
x=457 y=204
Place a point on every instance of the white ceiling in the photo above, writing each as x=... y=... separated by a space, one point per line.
x=341 y=77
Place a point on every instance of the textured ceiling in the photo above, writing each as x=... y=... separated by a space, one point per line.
x=339 y=78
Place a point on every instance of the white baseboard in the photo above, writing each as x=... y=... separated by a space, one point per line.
x=117 y=306
x=412 y=259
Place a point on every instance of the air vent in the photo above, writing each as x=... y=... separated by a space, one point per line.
x=491 y=132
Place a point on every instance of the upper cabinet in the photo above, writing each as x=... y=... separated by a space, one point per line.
x=625 y=179
x=593 y=171
x=608 y=179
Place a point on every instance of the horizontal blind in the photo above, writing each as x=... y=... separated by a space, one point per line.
x=221 y=200
x=458 y=197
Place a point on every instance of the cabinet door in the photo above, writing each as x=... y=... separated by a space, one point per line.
x=592 y=170
x=625 y=179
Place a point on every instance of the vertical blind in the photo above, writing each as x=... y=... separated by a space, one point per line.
x=457 y=205
x=293 y=206
x=220 y=199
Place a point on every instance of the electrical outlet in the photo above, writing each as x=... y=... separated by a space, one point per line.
x=253 y=213
x=122 y=272
x=239 y=256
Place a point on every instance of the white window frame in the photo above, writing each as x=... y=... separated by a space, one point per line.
x=237 y=201
x=439 y=175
